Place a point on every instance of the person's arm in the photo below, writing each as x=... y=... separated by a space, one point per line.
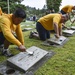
x=73 y=12
x=73 y=16
x=56 y=29
x=20 y=34
x=5 y=27
x=20 y=38
x=73 y=21
x=22 y=48
x=60 y=29
x=69 y=12
x=64 y=26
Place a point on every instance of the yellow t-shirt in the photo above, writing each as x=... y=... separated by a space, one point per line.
x=67 y=8
x=47 y=21
x=7 y=27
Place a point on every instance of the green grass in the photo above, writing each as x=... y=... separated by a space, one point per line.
x=62 y=63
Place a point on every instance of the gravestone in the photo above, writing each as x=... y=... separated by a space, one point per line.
x=24 y=61
x=8 y=70
x=57 y=41
x=68 y=32
x=27 y=29
x=73 y=27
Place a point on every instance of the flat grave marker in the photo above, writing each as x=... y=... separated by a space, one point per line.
x=27 y=29
x=72 y=27
x=55 y=42
x=68 y=32
x=23 y=61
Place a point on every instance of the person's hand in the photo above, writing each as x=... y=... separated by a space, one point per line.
x=22 y=48
x=56 y=35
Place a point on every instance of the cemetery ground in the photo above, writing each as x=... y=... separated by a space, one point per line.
x=62 y=63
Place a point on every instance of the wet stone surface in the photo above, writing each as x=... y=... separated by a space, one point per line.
x=57 y=41
x=68 y=32
x=73 y=27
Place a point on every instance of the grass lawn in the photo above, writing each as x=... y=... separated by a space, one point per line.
x=62 y=63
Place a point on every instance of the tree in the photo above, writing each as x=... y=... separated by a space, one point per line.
x=13 y=5
x=53 y=4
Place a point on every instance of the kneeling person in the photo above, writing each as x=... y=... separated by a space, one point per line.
x=50 y=22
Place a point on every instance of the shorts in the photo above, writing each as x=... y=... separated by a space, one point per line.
x=43 y=33
x=2 y=38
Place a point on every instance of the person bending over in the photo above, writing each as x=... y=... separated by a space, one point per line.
x=47 y=23
x=68 y=9
x=10 y=24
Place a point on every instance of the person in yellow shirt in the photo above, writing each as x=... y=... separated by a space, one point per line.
x=67 y=9
x=47 y=23
x=10 y=24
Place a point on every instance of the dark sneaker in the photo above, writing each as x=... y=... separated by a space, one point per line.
x=7 y=53
x=31 y=35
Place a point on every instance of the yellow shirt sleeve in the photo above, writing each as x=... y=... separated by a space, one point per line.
x=5 y=28
x=56 y=19
x=20 y=34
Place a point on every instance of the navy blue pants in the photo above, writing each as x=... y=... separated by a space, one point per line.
x=2 y=38
x=43 y=33
x=62 y=12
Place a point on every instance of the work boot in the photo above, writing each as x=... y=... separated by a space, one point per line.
x=7 y=53
x=31 y=34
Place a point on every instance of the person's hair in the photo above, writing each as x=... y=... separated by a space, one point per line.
x=19 y=12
